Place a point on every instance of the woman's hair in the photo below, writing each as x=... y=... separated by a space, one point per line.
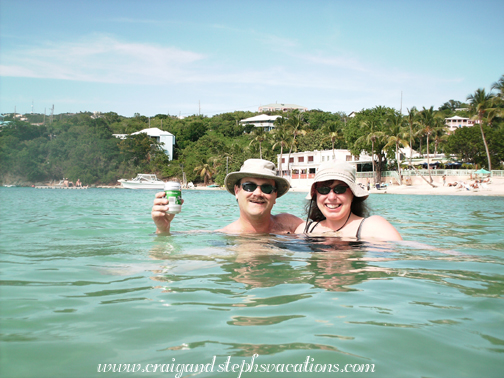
x=358 y=207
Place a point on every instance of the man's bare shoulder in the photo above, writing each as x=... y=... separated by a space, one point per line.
x=287 y=222
x=231 y=228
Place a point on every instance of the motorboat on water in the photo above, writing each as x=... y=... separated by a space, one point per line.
x=143 y=181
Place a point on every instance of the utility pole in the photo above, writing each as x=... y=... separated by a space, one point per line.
x=52 y=114
x=184 y=180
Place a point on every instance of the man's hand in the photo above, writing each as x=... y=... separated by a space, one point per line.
x=161 y=219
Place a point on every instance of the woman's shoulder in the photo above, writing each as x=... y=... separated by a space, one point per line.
x=377 y=227
x=301 y=228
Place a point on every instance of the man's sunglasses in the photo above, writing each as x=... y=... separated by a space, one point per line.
x=265 y=188
x=338 y=189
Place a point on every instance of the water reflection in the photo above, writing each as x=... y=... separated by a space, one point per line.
x=265 y=261
x=333 y=264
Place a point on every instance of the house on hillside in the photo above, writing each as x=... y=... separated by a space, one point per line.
x=304 y=165
x=454 y=123
x=281 y=107
x=262 y=120
x=164 y=137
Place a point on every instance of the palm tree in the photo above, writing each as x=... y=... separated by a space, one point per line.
x=411 y=118
x=333 y=130
x=281 y=137
x=481 y=103
x=295 y=125
x=499 y=86
x=397 y=131
x=206 y=169
x=372 y=138
x=428 y=124
x=499 y=98
x=439 y=134
x=260 y=137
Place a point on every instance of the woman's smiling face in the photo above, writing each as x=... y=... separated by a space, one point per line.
x=334 y=206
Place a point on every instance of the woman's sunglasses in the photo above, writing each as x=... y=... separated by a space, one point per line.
x=338 y=189
x=265 y=188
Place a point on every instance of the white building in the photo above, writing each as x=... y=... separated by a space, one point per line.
x=454 y=123
x=281 y=107
x=304 y=165
x=261 y=120
x=166 y=139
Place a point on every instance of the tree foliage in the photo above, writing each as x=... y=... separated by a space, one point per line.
x=83 y=145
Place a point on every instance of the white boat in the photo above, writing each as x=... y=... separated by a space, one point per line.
x=143 y=181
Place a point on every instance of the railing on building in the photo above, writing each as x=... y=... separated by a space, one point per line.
x=433 y=172
x=406 y=173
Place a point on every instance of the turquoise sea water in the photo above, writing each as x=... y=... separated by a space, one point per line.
x=84 y=281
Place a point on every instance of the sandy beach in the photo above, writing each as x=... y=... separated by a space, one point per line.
x=495 y=188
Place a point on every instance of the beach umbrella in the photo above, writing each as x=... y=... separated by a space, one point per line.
x=482 y=171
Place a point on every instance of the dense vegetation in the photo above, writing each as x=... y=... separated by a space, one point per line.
x=83 y=146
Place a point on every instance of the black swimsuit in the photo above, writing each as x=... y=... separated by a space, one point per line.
x=315 y=224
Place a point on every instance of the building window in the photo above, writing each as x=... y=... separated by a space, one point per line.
x=301 y=159
x=283 y=160
x=291 y=160
x=349 y=158
x=310 y=159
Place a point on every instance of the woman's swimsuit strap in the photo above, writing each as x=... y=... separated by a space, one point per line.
x=315 y=224
x=359 y=229
x=307 y=228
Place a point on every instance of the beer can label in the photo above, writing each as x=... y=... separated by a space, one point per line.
x=174 y=197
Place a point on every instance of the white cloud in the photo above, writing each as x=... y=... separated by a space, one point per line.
x=316 y=78
x=101 y=59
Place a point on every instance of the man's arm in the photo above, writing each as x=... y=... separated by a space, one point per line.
x=161 y=219
x=288 y=223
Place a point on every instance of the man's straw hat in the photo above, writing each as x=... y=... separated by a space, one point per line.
x=257 y=168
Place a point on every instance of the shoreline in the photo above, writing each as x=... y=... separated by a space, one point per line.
x=495 y=189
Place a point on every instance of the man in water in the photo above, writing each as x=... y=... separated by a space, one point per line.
x=256 y=188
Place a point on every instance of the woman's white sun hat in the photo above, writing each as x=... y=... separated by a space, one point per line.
x=257 y=168
x=341 y=171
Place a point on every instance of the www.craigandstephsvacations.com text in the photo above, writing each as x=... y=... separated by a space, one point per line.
x=178 y=369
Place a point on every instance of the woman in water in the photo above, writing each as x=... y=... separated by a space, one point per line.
x=337 y=207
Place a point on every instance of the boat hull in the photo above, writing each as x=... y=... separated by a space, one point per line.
x=142 y=185
x=143 y=181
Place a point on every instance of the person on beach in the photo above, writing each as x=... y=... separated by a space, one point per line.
x=256 y=188
x=78 y=183
x=337 y=207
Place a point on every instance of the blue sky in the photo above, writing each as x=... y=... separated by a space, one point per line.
x=185 y=57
